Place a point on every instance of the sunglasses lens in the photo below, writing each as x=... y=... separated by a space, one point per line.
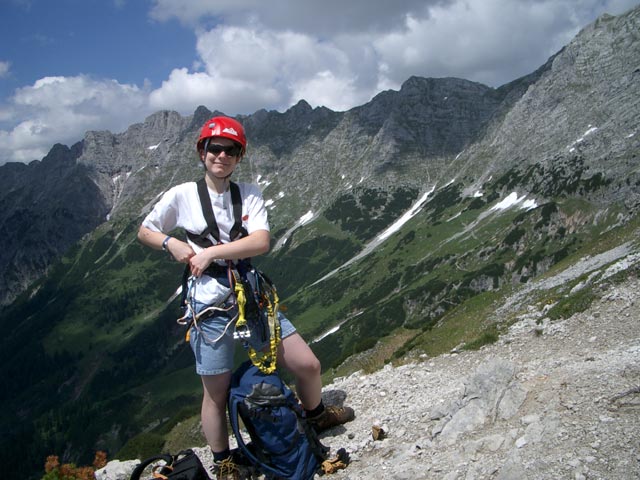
x=230 y=150
x=233 y=151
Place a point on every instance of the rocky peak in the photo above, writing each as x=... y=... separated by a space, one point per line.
x=301 y=108
x=583 y=90
x=201 y=115
x=435 y=116
x=45 y=207
x=282 y=133
x=61 y=155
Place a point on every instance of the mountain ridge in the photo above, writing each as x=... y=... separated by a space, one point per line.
x=111 y=159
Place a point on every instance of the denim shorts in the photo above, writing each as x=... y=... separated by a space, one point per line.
x=213 y=344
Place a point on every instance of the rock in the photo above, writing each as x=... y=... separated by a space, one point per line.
x=117 y=470
x=490 y=393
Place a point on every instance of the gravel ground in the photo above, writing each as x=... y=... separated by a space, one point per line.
x=576 y=385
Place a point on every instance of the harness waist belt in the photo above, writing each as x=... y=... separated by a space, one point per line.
x=216 y=270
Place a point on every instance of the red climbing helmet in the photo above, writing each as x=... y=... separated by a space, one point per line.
x=223 y=127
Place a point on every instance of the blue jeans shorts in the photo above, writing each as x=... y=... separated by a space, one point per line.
x=213 y=344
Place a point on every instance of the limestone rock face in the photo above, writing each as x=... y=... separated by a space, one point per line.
x=45 y=207
x=579 y=118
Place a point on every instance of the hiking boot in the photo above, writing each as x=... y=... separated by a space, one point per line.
x=331 y=417
x=226 y=470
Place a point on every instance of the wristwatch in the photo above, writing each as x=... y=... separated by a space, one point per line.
x=165 y=242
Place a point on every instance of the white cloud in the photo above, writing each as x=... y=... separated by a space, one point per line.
x=184 y=91
x=243 y=69
x=325 y=18
x=4 y=69
x=490 y=41
x=61 y=109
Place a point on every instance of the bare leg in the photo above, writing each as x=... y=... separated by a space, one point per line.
x=299 y=359
x=214 y=413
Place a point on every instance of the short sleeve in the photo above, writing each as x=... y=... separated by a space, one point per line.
x=164 y=216
x=255 y=213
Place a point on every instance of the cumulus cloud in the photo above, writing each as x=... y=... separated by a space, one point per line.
x=465 y=40
x=333 y=17
x=492 y=41
x=326 y=18
x=60 y=109
x=243 y=69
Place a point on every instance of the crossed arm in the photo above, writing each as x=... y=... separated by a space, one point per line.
x=256 y=243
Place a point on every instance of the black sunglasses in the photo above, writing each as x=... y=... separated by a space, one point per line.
x=229 y=150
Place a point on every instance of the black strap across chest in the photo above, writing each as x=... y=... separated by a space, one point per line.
x=203 y=240
x=237 y=230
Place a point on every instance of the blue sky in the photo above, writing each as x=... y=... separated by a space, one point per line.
x=101 y=38
x=68 y=66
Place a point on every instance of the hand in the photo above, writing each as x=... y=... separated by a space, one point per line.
x=200 y=261
x=180 y=250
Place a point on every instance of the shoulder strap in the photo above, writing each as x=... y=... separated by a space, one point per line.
x=207 y=210
x=237 y=231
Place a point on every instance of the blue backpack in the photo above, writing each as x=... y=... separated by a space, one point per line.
x=283 y=444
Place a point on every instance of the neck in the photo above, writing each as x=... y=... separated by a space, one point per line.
x=219 y=185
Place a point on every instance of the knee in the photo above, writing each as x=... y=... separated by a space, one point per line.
x=215 y=390
x=214 y=402
x=304 y=367
x=310 y=366
x=298 y=358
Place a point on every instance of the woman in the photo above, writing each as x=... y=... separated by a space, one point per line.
x=221 y=146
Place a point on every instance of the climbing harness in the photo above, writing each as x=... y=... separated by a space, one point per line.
x=191 y=318
x=253 y=293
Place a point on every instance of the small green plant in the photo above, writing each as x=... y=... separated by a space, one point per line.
x=487 y=337
x=572 y=304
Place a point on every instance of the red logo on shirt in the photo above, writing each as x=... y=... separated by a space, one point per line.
x=245 y=218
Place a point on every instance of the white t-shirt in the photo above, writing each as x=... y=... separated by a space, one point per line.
x=180 y=207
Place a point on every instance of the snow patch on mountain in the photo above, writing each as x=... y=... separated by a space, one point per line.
x=303 y=220
x=512 y=200
x=397 y=225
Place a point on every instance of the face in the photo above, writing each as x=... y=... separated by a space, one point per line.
x=218 y=159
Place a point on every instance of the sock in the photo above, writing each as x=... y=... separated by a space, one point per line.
x=219 y=456
x=316 y=411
